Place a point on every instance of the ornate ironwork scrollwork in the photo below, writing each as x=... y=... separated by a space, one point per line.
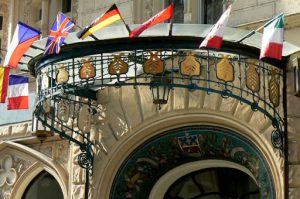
x=85 y=161
x=277 y=139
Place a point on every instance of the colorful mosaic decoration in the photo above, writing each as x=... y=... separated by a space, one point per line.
x=153 y=159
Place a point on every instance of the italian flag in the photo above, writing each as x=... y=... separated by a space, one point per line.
x=272 y=41
x=215 y=36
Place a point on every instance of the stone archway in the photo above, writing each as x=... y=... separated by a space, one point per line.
x=20 y=165
x=162 y=153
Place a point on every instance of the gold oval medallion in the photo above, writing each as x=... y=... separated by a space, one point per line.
x=190 y=66
x=154 y=65
x=225 y=70
x=118 y=66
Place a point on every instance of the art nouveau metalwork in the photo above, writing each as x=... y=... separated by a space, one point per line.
x=252 y=77
x=118 y=66
x=169 y=66
x=154 y=65
x=87 y=70
x=190 y=66
x=225 y=70
x=62 y=74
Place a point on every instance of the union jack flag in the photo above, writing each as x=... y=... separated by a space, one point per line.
x=61 y=27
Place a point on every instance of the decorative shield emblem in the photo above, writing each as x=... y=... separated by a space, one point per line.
x=45 y=80
x=63 y=111
x=252 y=78
x=189 y=143
x=225 y=70
x=154 y=65
x=62 y=75
x=274 y=92
x=118 y=66
x=190 y=66
x=84 y=119
x=87 y=70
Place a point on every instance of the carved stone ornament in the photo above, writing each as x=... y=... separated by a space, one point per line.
x=274 y=92
x=63 y=111
x=118 y=66
x=190 y=66
x=87 y=70
x=8 y=174
x=154 y=65
x=252 y=78
x=62 y=75
x=225 y=70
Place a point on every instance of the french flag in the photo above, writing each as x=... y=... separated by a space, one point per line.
x=17 y=93
x=24 y=36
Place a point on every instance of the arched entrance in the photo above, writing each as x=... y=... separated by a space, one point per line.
x=152 y=160
x=45 y=186
x=214 y=183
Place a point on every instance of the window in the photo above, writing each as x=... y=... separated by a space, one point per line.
x=66 y=6
x=178 y=10
x=212 y=10
x=43 y=186
x=40 y=15
x=1 y=22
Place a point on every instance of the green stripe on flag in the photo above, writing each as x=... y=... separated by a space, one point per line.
x=280 y=22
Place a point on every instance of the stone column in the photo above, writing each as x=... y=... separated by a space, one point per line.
x=45 y=18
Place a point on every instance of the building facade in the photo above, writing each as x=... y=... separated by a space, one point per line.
x=181 y=149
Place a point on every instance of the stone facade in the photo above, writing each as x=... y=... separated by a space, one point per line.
x=131 y=117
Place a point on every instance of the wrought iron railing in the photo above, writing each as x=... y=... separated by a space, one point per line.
x=66 y=88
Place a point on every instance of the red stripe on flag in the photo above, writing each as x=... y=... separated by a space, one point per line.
x=4 y=85
x=158 y=18
x=106 y=16
x=214 y=42
x=18 y=103
x=273 y=50
x=20 y=51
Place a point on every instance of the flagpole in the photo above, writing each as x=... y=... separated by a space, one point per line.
x=259 y=28
x=91 y=35
x=171 y=22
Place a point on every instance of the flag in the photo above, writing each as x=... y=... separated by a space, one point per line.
x=24 y=36
x=61 y=27
x=4 y=73
x=17 y=93
x=215 y=36
x=158 y=18
x=272 y=40
x=111 y=16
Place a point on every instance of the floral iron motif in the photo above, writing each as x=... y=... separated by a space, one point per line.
x=190 y=66
x=154 y=65
x=225 y=70
x=62 y=75
x=87 y=70
x=252 y=78
x=274 y=94
x=118 y=66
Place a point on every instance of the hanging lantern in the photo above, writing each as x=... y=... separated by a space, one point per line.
x=160 y=87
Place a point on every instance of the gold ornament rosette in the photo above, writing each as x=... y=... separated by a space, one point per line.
x=87 y=70
x=225 y=70
x=62 y=75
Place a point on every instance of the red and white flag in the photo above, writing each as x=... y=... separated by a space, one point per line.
x=17 y=93
x=158 y=18
x=215 y=36
x=272 y=41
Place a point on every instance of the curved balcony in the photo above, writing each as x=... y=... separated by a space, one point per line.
x=68 y=84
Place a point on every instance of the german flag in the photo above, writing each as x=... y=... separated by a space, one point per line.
x=111 y=16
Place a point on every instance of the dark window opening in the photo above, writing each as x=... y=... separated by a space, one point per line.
x=40 y=15
x=43 y=186
x=66 y=6
x=1 y=22
x=213 y=9
x=178 y=10
x=221 y=183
